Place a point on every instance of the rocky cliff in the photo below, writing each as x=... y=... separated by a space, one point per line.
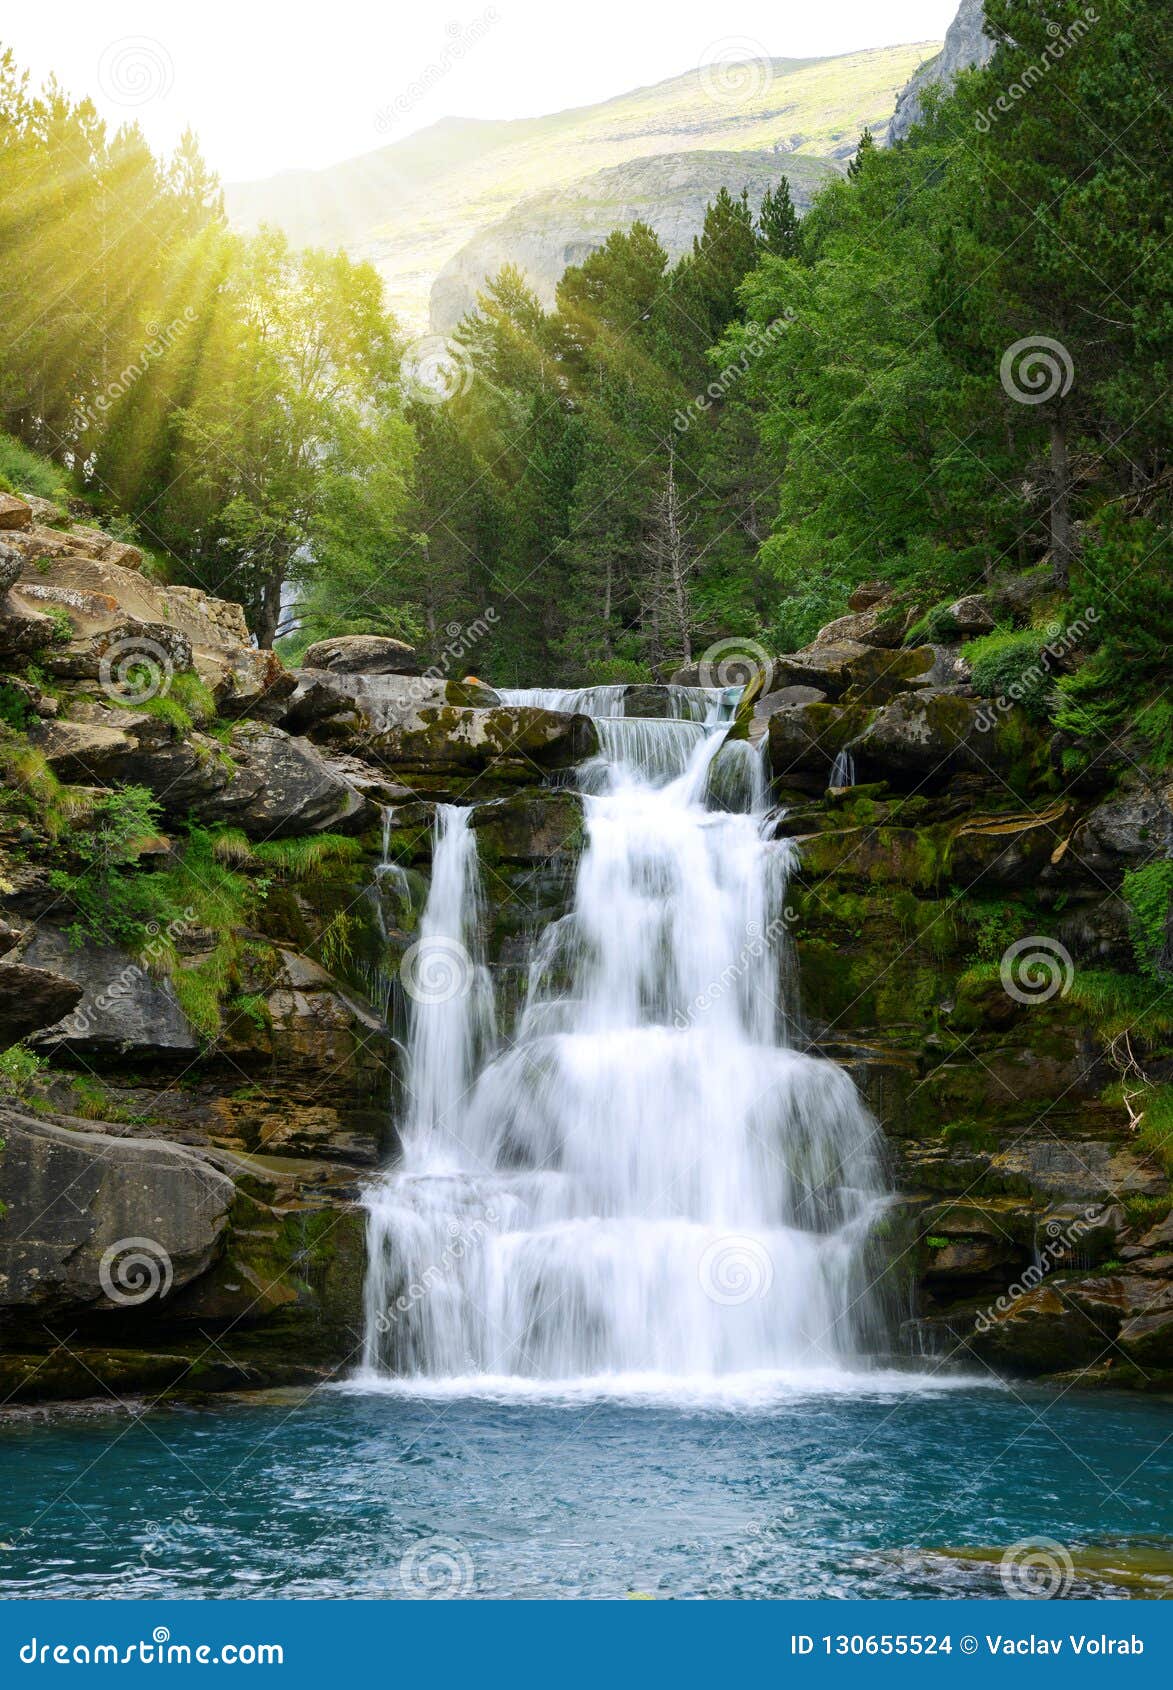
x=966 y=46
x=212 y=867
x=546 y=232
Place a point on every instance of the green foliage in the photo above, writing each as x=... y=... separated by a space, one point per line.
x=1155 y=1134
x=25 y=471
x=336 y=942
x=1148 y=892
x=19 y=1068
x=187 y=703
x=15 y=709
x=109 y=904
x=301 y=859
x=1122 y=1003
x=1010 y=663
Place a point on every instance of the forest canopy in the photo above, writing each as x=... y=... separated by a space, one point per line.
x=952 y=372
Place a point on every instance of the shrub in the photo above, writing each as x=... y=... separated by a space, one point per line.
x=1148 y=892
x=1010 y=663
x=15 y=709
x=19 y=1067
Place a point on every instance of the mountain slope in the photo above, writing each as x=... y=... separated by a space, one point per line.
x=546 y=232
x=411 y=206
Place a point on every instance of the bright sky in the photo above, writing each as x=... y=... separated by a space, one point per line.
x=272 y=84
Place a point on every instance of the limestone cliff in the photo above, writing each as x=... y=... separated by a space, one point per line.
x=966 y=46
x=546 y=232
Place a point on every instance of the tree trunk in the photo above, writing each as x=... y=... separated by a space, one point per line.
x=270 y=611
x=1061 y=543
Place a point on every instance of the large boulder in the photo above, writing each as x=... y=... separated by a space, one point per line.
x=96 y=746
x=100 y=1222
x=32 y=998
x=363 y=654
x=280 y=785
x=844 y=667
x=266 y=781
x=14 y=512
x=1125 y=832
x=1061 y=1325
x=118 y=1008
x=878 y=626
x=338 y=705
x=520 y=743
x=804 y=740
x=927 y=733
x=783 y=698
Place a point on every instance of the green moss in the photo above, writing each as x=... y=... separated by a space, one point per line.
x=1146 y=1211
x=1148 y=892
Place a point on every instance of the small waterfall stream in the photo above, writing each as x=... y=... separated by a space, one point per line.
x=650 y=1182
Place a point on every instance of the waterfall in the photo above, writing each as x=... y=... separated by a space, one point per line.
x=650 y=1181
x=842 y=770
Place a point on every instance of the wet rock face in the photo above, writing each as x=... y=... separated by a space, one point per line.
x=505 y=746
x=270 y=783
x=281 y=786
x=928 y=734
x=148 y=1250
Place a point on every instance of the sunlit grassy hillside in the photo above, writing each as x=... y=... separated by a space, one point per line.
x=411 y=205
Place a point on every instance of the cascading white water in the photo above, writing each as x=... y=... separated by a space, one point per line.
x=649 y=1180
x=842 y=771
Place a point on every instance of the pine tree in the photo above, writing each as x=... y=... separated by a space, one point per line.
x=867 y=145
x=778 y=225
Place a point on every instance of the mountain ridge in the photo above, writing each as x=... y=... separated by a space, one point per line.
x=412 y=204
